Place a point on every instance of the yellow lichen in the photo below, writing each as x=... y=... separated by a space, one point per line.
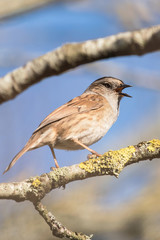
x=90 y=165
x=123 y=154
x=153 y=145
x=36 y=182
x=114 y=160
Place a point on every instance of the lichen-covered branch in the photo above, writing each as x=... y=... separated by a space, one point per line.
x=75 y=54
x=113 y=162
x=110 y=163
x=56 y=227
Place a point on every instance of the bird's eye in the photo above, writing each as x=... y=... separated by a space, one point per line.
x=107 y=85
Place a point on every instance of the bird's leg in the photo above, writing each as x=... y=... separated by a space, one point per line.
x=89 y=149
x=54 y=157
x=56 y=163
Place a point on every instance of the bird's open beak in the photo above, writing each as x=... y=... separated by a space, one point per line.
x=119 y=90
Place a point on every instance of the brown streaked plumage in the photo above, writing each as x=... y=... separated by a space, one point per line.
x=80 y=122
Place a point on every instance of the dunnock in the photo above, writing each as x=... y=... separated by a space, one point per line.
x=80 y=122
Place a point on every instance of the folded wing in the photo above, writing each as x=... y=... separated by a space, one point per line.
x=83 y=103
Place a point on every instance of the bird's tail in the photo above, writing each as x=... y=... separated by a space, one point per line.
x=25 y=149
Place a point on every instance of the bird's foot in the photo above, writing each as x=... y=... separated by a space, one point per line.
x=52 y=168
x=93 y=155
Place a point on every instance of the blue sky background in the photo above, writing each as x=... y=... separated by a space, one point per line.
x=33 y=34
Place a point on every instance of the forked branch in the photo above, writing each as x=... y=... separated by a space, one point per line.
x=110 y=163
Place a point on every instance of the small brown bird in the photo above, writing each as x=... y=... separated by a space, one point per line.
x=80 y=122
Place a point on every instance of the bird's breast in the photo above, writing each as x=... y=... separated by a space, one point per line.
x=100 y=124
x=88 y=128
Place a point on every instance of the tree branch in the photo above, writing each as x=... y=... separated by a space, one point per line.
x=72 y=55
x=56 y=227
x=10 y=8
x=110 y=163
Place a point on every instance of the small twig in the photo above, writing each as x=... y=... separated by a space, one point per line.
x=56 y=227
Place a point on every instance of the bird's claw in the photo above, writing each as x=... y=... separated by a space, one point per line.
x=93 y=155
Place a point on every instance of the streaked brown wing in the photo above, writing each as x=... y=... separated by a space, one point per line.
x=83 y=103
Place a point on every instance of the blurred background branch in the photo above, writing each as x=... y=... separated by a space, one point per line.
x=11 y=8
x=75 y=54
